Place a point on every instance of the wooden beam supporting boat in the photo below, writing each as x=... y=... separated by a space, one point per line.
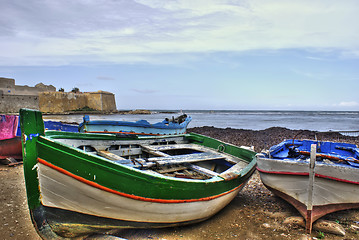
x=309 y=220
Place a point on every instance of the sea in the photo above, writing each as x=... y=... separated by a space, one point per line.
x=239 y=119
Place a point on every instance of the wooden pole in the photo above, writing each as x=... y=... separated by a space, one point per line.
x=313 y=155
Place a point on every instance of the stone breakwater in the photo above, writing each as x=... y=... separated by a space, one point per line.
x=264 y=139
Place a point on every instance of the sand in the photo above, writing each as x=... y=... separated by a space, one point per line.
x=254 y=214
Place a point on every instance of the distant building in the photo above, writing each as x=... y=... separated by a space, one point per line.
x=45 y=98
x=8 y=87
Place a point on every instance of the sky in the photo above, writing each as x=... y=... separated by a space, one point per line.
x=189 y=54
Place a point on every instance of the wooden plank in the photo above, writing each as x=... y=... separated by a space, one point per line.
x=104 y=144
x=202 y=170
x=110 y=156
x=186 y=158
x=178 y=146
x=114 y=157
x=172 y=169
x=313 y=152
x=153 y=151
x=196 y=147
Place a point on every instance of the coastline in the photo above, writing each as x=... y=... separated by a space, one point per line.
x=255 y=213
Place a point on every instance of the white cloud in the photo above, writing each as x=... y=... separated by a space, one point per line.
x=71 y=32
x=144 y=91
x=348 y=104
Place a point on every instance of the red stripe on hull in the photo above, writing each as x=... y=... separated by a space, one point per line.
x=307 y=174
x=96 y=185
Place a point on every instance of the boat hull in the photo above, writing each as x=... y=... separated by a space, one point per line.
x=101 y=202
x=10 y=148
x=336 y=187
x=131 y=130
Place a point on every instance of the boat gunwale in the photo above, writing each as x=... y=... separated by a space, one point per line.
x=115 y=166
x=170 y=183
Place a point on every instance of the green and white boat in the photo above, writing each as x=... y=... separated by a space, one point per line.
x=80 y=184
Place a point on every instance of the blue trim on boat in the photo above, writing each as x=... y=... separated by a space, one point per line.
x=294 y=149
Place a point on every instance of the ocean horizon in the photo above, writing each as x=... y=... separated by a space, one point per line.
x=240 y=119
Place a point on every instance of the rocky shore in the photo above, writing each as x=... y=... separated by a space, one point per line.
x=263 y=139
x=254 y=214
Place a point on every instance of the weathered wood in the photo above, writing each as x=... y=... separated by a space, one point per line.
x=313 y=153
x=202 y=170
x=196 y=147
x=186 y=158
x=172 y=169
x=110 y=156
x=153 y=151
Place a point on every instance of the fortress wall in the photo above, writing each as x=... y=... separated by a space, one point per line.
x=58 y=102
x=103 y=101
x=25 y=90
x=7 y=82
x=46 y=99
x=13 y=103
x=7 y=85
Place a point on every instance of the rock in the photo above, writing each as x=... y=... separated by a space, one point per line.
x=266 y=225
x=329 y=227
x=294 y=221
x=305 y=237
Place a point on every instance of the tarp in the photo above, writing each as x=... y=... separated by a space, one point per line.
x=8 y=126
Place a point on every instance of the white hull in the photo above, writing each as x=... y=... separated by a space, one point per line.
x=64 y=192
x=333 y=184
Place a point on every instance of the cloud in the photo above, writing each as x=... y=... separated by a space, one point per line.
x=144 y=91
x=76 y=32
x=105 y=78
x=348 y=104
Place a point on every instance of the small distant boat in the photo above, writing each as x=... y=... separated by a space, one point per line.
x=80 y=184
x=316 y=177
x=142 y=127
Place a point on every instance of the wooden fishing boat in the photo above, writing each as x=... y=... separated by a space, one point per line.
x=142 y=127
x=82 y=183
x=327 y=184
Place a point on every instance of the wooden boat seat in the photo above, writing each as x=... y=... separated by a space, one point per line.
x=114 y=157
x=202 y=170
x=175 y=146
x=156 y=150
x=186 y=158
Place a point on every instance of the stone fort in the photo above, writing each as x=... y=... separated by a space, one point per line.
x=45 y=98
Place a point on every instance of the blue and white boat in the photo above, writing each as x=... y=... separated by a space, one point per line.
x=172 y=126
x=316 y=177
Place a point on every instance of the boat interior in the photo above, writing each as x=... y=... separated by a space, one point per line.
x=173 y=157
